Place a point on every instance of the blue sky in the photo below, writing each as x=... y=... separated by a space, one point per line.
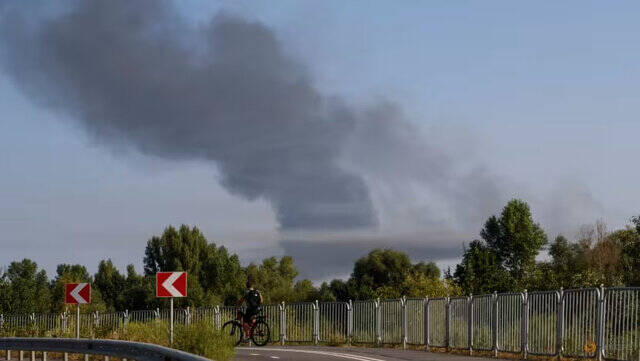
x=545 y=95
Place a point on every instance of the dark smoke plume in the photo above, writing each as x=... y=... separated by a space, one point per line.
x=133 y=74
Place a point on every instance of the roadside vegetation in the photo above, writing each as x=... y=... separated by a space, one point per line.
x=200 y=338
x=503 y=259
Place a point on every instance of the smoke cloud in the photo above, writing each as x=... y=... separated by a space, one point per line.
x=133 y=74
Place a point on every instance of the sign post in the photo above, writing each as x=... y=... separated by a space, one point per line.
x=170 y=285
x=77 y=294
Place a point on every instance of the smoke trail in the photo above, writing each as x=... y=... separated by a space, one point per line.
x=133 y=74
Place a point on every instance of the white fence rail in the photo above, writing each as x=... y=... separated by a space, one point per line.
x=600 y=323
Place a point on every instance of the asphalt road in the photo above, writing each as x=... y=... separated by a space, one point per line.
x=318 y=353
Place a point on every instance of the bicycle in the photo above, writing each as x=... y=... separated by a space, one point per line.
x=258 y=330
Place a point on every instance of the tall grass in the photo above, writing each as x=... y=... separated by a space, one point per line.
x=200 y=338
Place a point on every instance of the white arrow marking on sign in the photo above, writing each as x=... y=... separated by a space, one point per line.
x=168 y=284
x=76 y=293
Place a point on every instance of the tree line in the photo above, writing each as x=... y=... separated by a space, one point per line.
x=503 y=259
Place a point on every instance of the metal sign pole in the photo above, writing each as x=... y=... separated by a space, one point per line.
x=171 y=322
x=78 y=321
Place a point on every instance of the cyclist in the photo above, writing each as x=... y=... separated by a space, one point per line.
x=253 y=299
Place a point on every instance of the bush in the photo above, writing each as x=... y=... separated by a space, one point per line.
x=201 y=338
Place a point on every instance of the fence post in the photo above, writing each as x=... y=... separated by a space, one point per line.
x=560 y=327
x=600 y=325
x=316 y=321
x=65 y=323
x=470 y=323
x=525 y=323
x=447 y=310
x=96 y=319
x=378 y=322
x=494 y=324
x=125 y=318
x=403 y=307
x=187 y=319
x=156 y=314
x=426 y=323
x=349 y=321
x=283 y=323
x=216 y=313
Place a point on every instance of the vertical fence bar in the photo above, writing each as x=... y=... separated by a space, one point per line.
x=494 y=326
x=525 y=324
x=403 y=308
x=378 y=322
x=448 y=322
x=470 y=324
x=426 y=324
x=283 y=323
x=560 y=327
x=349 y=321
x=316 y=322
x=600 y=323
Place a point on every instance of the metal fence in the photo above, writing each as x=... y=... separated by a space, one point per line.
x=599 y=323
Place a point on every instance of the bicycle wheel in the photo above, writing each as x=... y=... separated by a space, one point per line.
x=260 y=333
x=233 y=329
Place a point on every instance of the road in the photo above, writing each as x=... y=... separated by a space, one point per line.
x=318 y=353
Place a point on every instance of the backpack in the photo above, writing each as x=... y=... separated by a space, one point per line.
x=252 y=298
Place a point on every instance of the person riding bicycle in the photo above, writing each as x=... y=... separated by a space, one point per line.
x=253 y=299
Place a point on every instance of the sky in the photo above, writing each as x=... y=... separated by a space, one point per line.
x=398 y=125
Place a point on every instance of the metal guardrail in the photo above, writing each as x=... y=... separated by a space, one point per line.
x=121 y=349
x=600 y=323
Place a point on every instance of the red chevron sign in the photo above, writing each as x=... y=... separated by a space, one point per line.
x=171 y=284
x=77 y=293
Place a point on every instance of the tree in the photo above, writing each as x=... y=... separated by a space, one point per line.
x=110 y=283
x=139 y=291
x=274 y=278
x=5 y=289
x=629 y=242
x=222 y=275
x=176 y=250
x=481 y=272
x=514 y=238
x=76 y=273
x=29 y=288
x=303 y=291
x=429 y=270
x=214 y=275
x=381 y=267
x=325 y=294
x=636 y=221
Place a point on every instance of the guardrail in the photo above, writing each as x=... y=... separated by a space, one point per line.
x=122 y=349
x=600 y=323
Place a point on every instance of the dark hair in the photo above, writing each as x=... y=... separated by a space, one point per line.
x=249 y=284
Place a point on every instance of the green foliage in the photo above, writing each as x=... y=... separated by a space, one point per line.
x=202 y=338
x=381 y=268
x=274 y=278
x=636 y=221
x=505 y=257
x=67 y=273
x=29 y=290
x=110 y=283
x=480 y=271
x=502 y=260
x=514 y=238
x=214 y=275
